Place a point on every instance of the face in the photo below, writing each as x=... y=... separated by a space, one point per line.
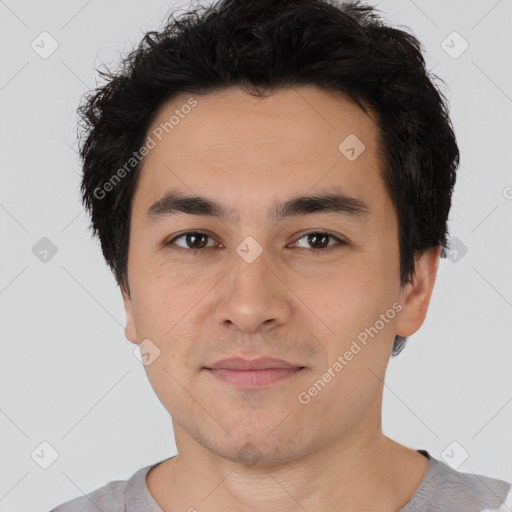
x=252 y=283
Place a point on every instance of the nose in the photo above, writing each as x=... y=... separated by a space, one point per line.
x=253 y=296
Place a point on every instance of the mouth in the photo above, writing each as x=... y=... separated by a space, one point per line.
x=243 y=373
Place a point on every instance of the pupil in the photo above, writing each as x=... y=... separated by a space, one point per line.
x=313 y=239
x=192 y=237
x=314 y=236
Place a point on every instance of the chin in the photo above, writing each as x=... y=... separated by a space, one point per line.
x=251 y=450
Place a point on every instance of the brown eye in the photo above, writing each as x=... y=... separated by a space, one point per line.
x=319 y=240
x=192 y=240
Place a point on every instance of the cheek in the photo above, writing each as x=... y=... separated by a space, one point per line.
x=359 y=305
x=170 y=311
x=162 y=296
x=344 y=297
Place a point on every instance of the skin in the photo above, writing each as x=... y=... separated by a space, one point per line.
x=293 y=302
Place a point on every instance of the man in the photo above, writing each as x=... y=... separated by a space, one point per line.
x=270 y=182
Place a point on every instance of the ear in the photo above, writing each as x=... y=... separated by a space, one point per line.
x=130 y=330
x=415 y=295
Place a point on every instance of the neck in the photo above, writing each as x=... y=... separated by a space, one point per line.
x=365 y=472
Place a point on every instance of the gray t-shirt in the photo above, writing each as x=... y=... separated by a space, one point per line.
x=442 y=489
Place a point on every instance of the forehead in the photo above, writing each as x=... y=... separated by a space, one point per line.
x=243 y=148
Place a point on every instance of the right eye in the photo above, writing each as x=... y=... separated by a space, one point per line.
x=195 y=240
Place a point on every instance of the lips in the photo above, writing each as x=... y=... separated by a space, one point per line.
x=244 y=373
x=263 y=363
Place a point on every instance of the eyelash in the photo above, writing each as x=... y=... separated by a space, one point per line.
x=302 y=235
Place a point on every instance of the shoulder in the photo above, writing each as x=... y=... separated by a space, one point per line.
x=110 y=497
x=469 y=492
x=116 y=496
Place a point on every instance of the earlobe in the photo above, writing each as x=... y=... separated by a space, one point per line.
x=415 y=296
x=129 y=330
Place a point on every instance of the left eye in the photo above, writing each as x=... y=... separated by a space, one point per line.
x=319 y=238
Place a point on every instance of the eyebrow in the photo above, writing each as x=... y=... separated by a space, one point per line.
x=336 y=202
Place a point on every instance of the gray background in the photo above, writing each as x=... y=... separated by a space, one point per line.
x=69 y=377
